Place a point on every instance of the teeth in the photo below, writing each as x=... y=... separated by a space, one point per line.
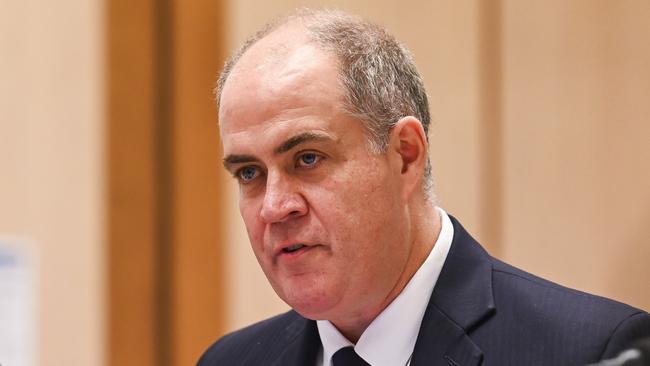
x=293 y=248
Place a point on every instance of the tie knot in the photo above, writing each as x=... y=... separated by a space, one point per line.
x=347 y=357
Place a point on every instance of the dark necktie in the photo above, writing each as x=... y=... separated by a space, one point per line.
x=347 y=357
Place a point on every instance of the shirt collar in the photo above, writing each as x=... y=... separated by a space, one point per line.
x=390 y=339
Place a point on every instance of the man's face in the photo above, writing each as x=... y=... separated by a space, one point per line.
x=325 y=217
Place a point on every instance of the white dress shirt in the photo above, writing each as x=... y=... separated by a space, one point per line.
x=390 y=339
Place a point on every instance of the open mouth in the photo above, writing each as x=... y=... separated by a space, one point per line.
x=293 y=248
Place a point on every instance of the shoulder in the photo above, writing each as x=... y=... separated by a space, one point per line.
x=260 y=341
x=530 y=310
x=540 y=293
x=535 y=303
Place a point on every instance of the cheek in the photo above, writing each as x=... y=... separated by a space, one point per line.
x=358 y=206
x=367 y=190
x=254 y=227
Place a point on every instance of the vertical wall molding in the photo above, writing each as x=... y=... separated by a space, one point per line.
x=165 y=300
x=164 y=106
x=132 y=184
x=491 y=126
x=197 y=255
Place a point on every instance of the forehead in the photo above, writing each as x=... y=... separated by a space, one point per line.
x=282 y=78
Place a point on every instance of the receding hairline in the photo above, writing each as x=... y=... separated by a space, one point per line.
x=300 y=18
x=276 y=54
x=283 y=72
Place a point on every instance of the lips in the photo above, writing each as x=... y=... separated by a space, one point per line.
x=292 y=249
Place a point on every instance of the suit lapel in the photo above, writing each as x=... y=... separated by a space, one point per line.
x=461 y=299
x=443 y=342
x=302 y=348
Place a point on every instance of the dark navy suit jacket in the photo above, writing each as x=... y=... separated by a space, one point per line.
x=482 y=312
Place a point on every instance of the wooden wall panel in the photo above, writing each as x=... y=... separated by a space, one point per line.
x=165 y=293
x=198 y=294
x=131 y=131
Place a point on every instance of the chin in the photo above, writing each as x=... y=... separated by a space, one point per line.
x=311 y=303
x=313 y=311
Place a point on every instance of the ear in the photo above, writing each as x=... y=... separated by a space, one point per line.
x=409 y=141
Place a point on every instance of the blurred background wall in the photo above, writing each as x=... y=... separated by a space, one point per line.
x=52 y=177
x=110 y=157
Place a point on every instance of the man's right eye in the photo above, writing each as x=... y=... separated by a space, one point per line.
x=247 y=174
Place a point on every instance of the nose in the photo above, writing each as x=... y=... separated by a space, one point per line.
x=282 y=200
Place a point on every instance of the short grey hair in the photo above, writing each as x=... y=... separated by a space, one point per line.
x=382 y=84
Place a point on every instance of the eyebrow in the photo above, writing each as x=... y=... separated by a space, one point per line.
x=287 y=145
x=301 y=139
x=231 y=160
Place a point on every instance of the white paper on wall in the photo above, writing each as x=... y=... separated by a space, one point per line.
x=17 y=303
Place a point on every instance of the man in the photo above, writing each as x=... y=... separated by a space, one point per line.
x=324 y=121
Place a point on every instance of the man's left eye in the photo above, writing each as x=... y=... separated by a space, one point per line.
x=308 y=159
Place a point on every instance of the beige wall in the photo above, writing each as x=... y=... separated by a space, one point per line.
x=539 y=140
x=51 y=166
x=576 y=146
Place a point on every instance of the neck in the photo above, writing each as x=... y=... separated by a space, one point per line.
x=425 y=227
